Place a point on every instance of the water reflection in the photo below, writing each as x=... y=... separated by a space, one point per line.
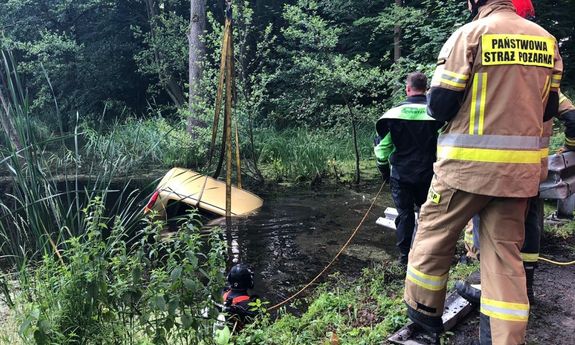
x=294 y=236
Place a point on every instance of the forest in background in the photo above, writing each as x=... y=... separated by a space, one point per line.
x=119 y=69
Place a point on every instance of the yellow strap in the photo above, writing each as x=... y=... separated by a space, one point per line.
x=238 y=160
x=219 y=94
x=228 y=121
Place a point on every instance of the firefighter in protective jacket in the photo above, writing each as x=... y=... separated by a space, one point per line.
x=534 y=217
x=496 y=82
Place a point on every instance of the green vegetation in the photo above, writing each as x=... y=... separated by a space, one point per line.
x=357 y=312
x=85 y=267
x=107 y=289
x=94 y=92
x=300 y=154
x=116 y=73
x=361 y=311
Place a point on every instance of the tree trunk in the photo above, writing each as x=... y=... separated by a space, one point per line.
x=170 y=86
x=197 y=51
x=397 y=37
x=175 y=92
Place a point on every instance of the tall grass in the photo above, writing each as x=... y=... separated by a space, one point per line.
x=151 y=143
x=44 y=191
x=305 y=154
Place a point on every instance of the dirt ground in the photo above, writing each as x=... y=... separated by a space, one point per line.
x=552 y=318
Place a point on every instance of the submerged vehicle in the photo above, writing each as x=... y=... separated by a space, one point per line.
x=183 y=188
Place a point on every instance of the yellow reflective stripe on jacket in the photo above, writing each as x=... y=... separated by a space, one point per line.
x=454 y=79
x=530 y=257
x=478 y=98
x=505 y=310
x=562 y=97
x=489 y=155
x=426 y=281
x=556 y=81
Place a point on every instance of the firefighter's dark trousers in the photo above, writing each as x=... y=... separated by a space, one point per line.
x=406 y=197
x=504 y=303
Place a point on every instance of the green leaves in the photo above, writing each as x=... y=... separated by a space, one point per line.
x=107 y=291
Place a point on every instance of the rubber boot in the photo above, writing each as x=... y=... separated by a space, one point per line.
x=529 y=275
x=471 y=288
x=471 y=293
x=432 y=324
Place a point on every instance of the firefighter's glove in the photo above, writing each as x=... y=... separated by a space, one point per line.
x=384 y=171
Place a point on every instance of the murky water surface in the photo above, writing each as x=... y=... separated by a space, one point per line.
x=296 y=234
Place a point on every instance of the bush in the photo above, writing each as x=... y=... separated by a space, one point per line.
x=104 y=290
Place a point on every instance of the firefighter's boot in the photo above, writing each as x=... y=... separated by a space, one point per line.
x=432 y=324
x=529 y=275
x=471 y=288
x=471 y=292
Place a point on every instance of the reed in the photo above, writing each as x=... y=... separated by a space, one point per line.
x=45 y=190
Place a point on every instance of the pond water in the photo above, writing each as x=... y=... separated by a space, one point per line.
x=296 y=234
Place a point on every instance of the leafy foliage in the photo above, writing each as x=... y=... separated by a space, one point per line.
x=107 y=289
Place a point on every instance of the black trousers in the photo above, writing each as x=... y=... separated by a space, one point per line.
x=533 y=230
x=406 y=197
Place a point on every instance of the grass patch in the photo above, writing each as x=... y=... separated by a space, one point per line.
x=145 y=143
x=364 y=311
x=302 y=154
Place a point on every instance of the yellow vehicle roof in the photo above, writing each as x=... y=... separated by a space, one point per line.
x=205 y=192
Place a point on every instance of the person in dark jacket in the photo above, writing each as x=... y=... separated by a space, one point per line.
x=405 y=151
x=236 y=298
